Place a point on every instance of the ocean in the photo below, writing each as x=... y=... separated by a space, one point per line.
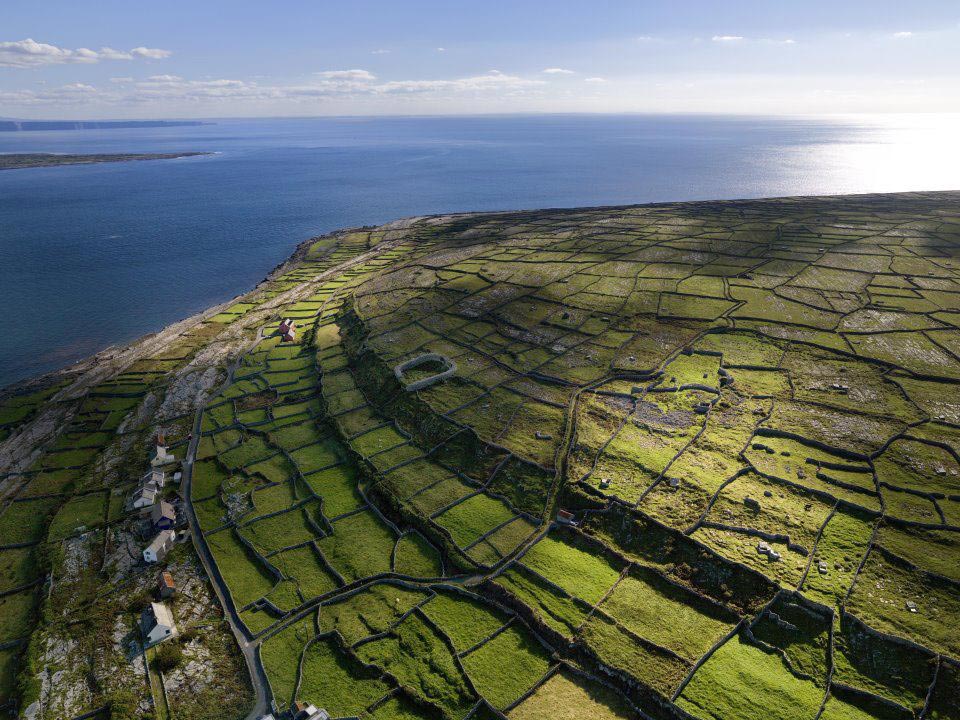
x=101 y=254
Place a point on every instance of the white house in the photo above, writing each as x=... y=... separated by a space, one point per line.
x=160 y=455
x=310 y=712
x=156 y=623
x=160 y=546
x=154 y=476
x=144 y=497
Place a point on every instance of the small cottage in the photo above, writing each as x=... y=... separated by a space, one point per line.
x=160 y=455
x=160 y=546
x=144 y=497
x=565 y=517
x=163 y=515
x=156 y=624
x=305 y=711
x=154 y=476
x=165 y=586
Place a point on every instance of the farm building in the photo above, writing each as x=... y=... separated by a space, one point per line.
x=166 y=587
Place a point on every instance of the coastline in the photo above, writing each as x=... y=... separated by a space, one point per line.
x=22 y=161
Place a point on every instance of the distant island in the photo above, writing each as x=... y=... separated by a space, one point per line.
x=30 y=125
x=15 y=161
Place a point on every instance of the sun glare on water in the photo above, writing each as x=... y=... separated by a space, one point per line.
x=887 y=153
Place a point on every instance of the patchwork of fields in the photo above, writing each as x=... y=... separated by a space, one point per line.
x=693 y=460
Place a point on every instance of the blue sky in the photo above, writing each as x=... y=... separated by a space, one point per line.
x=214 y=58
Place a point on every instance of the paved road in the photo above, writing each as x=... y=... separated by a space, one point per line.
x=258 y=677
x=248 y=646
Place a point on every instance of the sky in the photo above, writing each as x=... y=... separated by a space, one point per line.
x=245 y=58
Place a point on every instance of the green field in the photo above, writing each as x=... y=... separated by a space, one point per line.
x=750 y=409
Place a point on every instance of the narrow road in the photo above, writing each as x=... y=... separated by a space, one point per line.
x=248 y=646
x=258 y=677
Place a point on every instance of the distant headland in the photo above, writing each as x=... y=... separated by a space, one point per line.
x=31 y=125
x=15 y=161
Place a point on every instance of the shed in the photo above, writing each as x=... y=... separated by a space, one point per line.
x=166 y=587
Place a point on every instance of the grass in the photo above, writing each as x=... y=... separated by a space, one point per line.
x=360 y=546
x=474 y=517
x=17 y=567
x=252 y=449
x=655 y=668
x=566 y=697
x=580 y=570
x=317 y=456
x=743 y=681
x=669 y=616
x=245 y=578
x=562 y=614
x=464 y=619
x=400 y=708
x=431 y=499
x=841 y=547
x=337 y=682
x=275 y=469
x=337 y=486
x=304 y=566
x=507 y=666
x=879 y=598
x=8 y=669
x=273 y=498
x=280 y=654
x=422 y=663
x=936 y=551
x=16 y=612
x=25 y=521
x=416 y=557
x=81 y=512
x=368 y=612
x=279 y=531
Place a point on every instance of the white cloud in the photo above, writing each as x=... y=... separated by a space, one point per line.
x=349 y=75
x=727 y=38
x=121 y=79
x=645 y=38
x=441 y=49
x=903 y=34
x=162 y=91
x=595 y=80
x=30 y=54
x=557 y=71
x=150 y=53
x=379 y=51
x=490 y=81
